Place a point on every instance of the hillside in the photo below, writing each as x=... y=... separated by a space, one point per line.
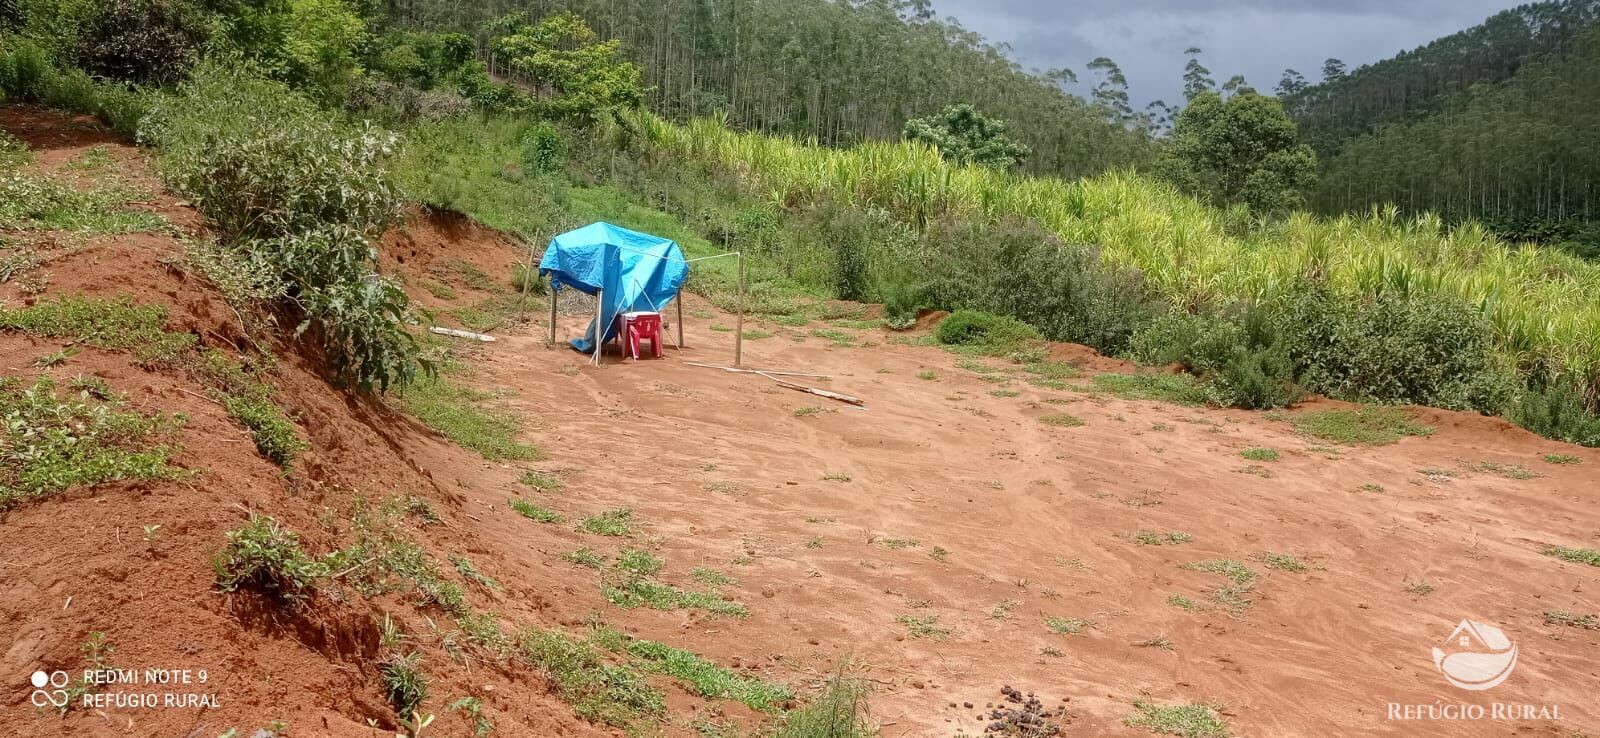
x=1495 y=124
x=691 y=552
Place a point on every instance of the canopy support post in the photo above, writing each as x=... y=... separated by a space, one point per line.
x=553 y=294
x=738 y=327
x=599 y=329
x=679 y=302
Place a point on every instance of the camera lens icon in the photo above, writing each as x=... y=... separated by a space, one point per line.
x=56 y=695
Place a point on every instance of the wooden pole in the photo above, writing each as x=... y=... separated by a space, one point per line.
x=738 y=326
x=679 y=301
x=553 y=294
x=599 y=329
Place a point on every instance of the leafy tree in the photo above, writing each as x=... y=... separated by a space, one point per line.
x=1332 y=70
x=1111 y=91
x=1291 y=83
x=321 y=41
x=575 y=75
x=1196 y=78
x=143 y=41
x=1235 y=85
x=1240 y=150
x=964 y=135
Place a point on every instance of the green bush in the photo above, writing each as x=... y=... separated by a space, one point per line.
x=1421 y=349
x=141 y=41
x=266 y=556
x=1014 y=267
x=1558 y=410
x=986 y=331
x=28 y=75
x=294 y=190
x=1238 y=355
x=543 y=149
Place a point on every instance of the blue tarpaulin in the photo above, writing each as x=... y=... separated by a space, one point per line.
x=632 y=271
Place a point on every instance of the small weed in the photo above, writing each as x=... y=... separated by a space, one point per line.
x=617 y=522
x=56 y=359
x=639 y=562
x=720 y=328
x=1418 y=588
x=1562 y=459
x=1282 y=562
x=837 y=337
x=806 y=411
x=533 y=512
x=923 y=626
x=939 y=554
x=1259 y=454
x=586 y=557
x=836 y=477
x=53 y=444
x=439 y=289
x=900 y=543
x=1234 y=570
x=469 y=572
x=1003 y=610
x=634 y=591
x=1183 y=603
x=1067 y=626
x=927 y=375
x=1255 y=470
x=543 y=481
x=707 y=679
x=1194 y=720
x=723 y=488
x=814 y=542
x=1509 y=471
x=403 y=682
x=1371 y=487
x=1062 y=420
x=1050 y=651
x=756 y=335
x=1571 y=619
x=1575 y=555
x=473 y=710
x=1160 y=642
x=266 y=556
x=1152 y=538
x=711 y=577
x=1004 y=393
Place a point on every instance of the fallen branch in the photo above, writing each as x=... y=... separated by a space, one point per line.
x=841 y=397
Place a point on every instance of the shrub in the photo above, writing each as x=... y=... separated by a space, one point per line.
x=987 y=331
x=1394 y=348
x=1559 y=410
x=141 y=41
x=265 y=556
x=1016 y=268
x=292 y=189
x=1237 y=355
x=543 y=148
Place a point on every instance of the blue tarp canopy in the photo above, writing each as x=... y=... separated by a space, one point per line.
x=632 y=271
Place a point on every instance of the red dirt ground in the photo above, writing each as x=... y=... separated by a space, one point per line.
x=801 y=506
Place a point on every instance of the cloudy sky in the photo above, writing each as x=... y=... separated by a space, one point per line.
x=1256 y=38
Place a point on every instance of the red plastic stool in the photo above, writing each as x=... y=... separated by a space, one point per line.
x=638 y=326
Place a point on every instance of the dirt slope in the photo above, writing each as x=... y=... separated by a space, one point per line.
x=947 y=498
x=82 y=562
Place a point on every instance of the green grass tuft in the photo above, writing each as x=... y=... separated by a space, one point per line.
x=1194 y=720
x=457 y=413
x=1366 y=426
x=533 y=512
x=617 y=522
x=1575 y=555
